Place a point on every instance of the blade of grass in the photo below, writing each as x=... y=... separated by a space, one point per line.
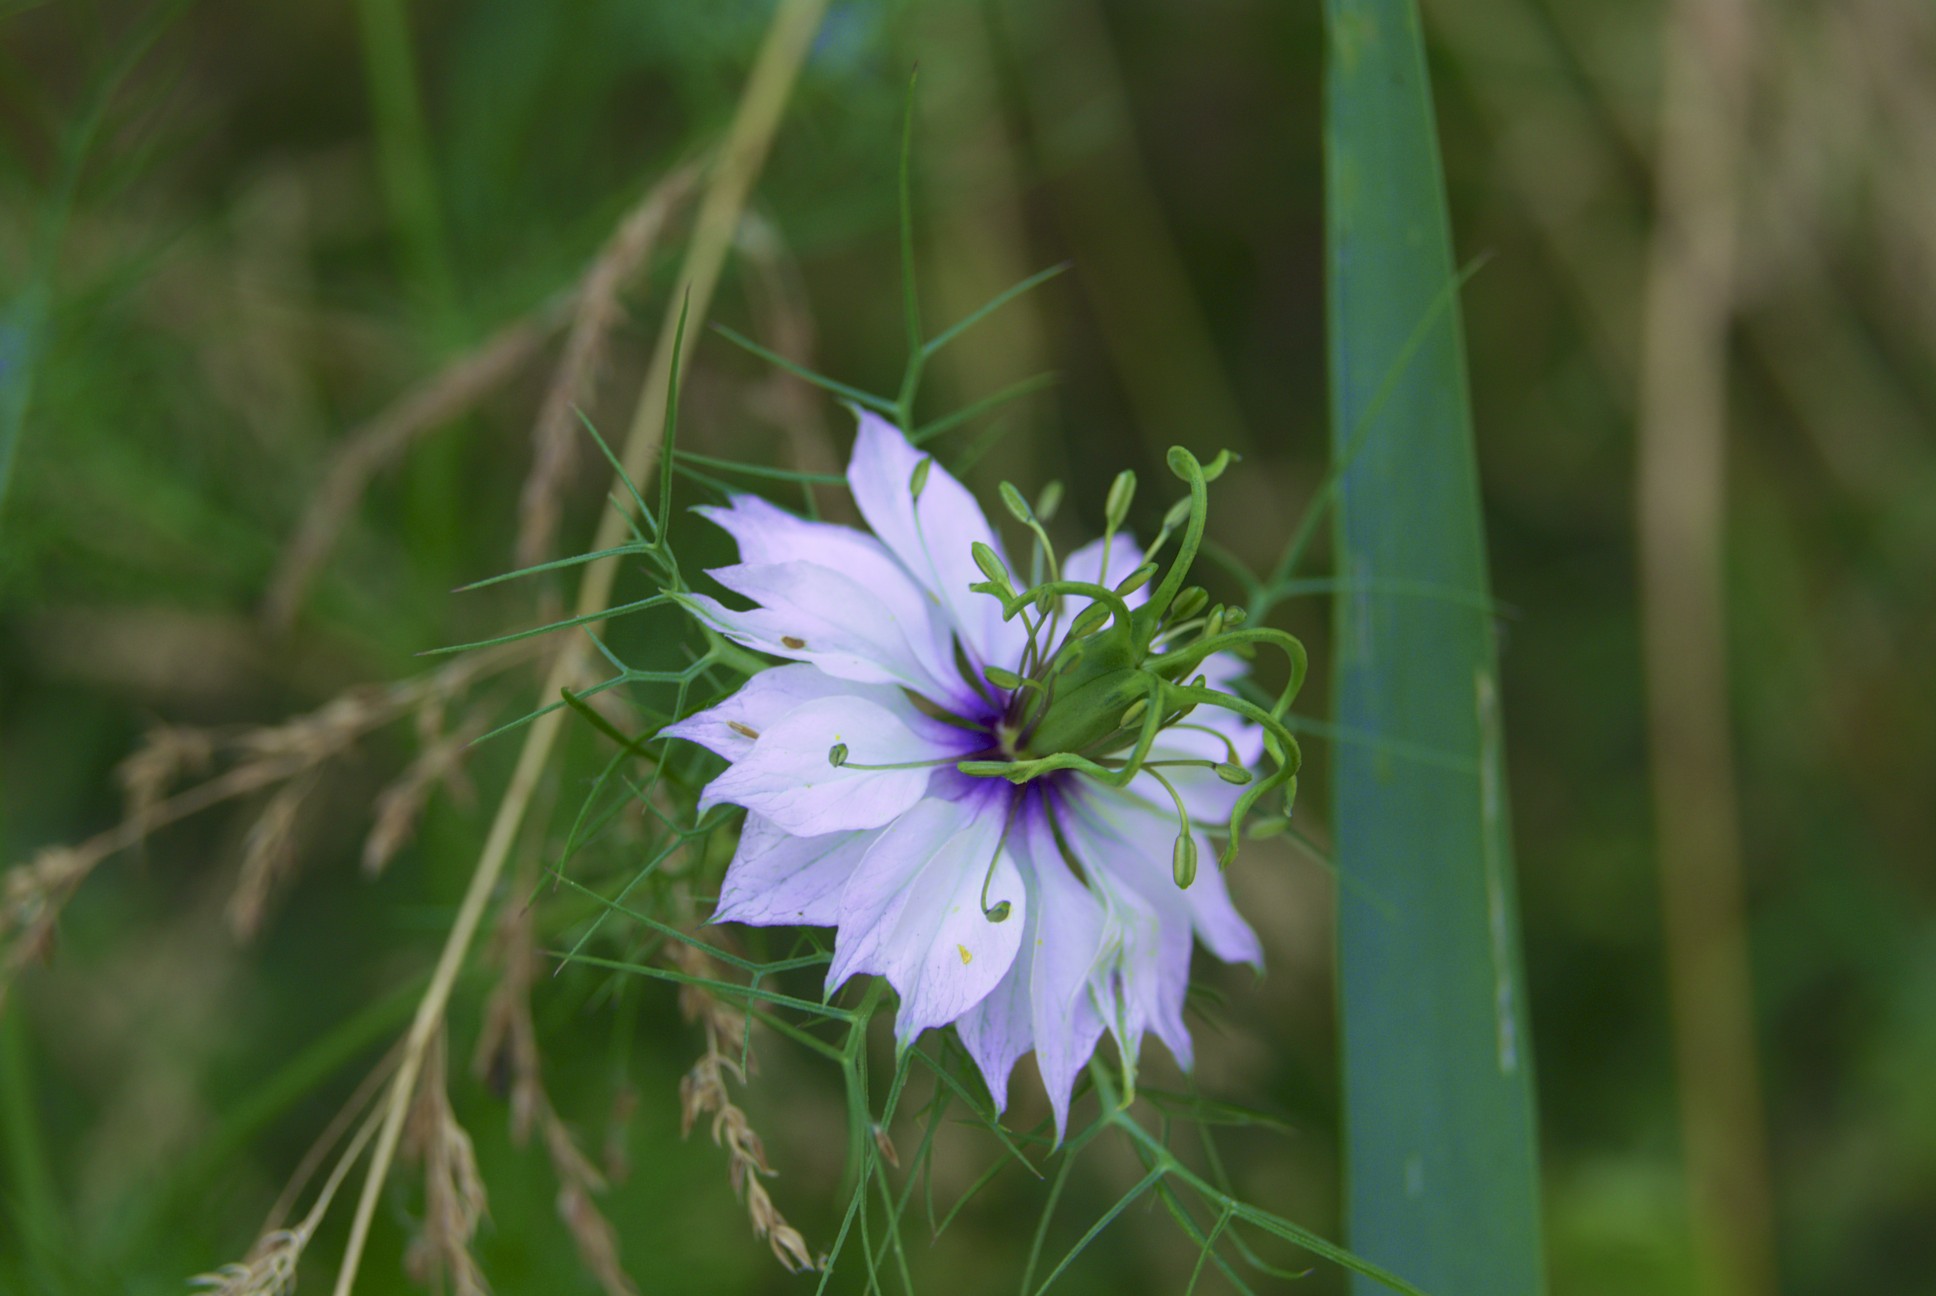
x=1441 y=1168
x=769 y=86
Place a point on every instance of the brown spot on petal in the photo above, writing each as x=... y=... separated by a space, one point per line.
x=966 y=957
x=743 y=730
x=793 y=643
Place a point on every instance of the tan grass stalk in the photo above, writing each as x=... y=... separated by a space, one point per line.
x=270 y=1267
x=785 y=48
x=556 y=436
x=373 y=446
x=1689 y=305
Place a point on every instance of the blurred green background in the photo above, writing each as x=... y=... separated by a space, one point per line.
x=231 y=235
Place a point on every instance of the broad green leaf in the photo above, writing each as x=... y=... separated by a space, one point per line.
x=1442 y=1170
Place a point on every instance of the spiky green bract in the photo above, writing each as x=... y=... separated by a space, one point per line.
x=1442 y=1172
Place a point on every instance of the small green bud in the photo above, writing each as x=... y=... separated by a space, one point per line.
x=1190 y=602
x=1214 y=626
x=1116 y=508
x=997 y=912
x=1265 y=828
x=1179 y=514
x=1230 y=773
x=1183 y=861
x=919 y=481
x=1134 y=713
x=1048 y=501
x=1088 y=620
x=1002 y=679
x=1234 y=617
x=991 y=566
x=837 y=755
x=1136 y=579
x=1017 y=506
x=1182 y=462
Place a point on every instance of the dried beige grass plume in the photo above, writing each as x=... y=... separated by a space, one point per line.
x=269 y=1269
x=454 y=1198
x=507 y=1060
x=703 y=1091
x=268 y=858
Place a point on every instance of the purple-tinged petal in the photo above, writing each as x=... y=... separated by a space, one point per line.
x=1000 y=1029
x=932 y=538
x=730 y=728
x=777 y=879
x=1068 y=945
x=1141 y=839
x=789 y=778
x=912 y=912
x=815 y=614
x=768 y=534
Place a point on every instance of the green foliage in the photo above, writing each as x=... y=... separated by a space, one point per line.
x=1441 y=1169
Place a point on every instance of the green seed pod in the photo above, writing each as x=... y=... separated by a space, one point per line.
x=1088 y=620
x=1134 y=713
x=918 y=482
x=1190 y=602
x=997 y=912
x=1003 y=679
x=991 y=566
x=1230 y=773
x=1017 y=506
x=1048 y=501
x=1116 y=508
x=837 y=755
x=1136 y=579
x=1183 y=861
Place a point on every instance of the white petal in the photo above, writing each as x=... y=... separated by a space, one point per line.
x=1068 y=945
x=816 y=614
x=933 y=538
x=1140 y=854
x=912 y=912
x=788 y=776
x=999 y=1030
x=772 y=694
x=768 y=535
x=777 y=879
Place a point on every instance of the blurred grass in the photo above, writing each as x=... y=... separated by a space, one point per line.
x=227 y=299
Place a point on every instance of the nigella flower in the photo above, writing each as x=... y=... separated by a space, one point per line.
x=995 y=796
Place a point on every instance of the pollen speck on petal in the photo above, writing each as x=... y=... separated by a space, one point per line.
x=966 y=957
x=743 y=730
x=793 y=643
